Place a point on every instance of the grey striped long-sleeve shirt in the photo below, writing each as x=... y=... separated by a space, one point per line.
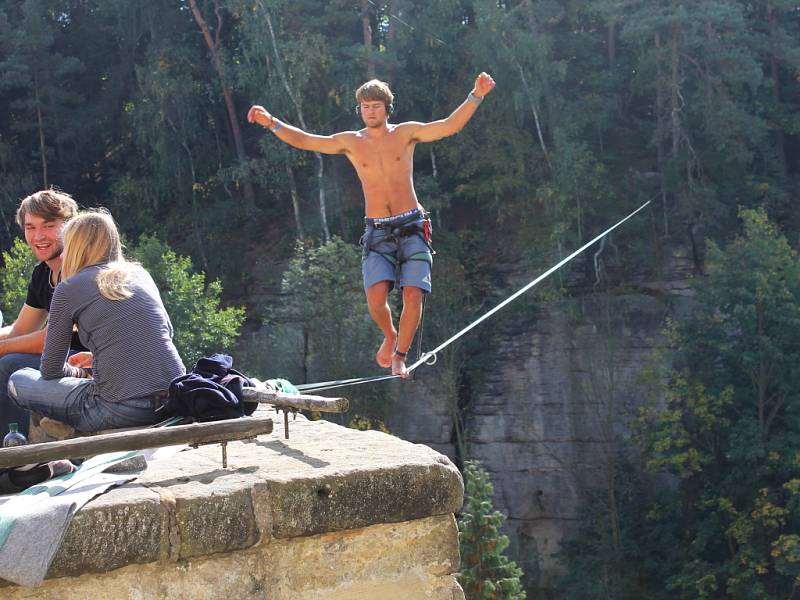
x=131 y=339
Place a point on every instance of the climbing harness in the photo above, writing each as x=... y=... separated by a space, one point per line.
x=412 y=222
x=431 y=357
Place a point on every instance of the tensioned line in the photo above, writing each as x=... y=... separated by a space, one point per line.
x=427 y=356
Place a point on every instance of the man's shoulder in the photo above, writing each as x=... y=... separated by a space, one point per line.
x=407 y=129
x=348 y=135
x=40 y=276
x=406 y=125
x=39 y=289
x=40 y=270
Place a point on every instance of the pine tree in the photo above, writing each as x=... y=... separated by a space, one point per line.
x=486 y=573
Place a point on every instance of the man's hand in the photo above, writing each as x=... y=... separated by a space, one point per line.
x=483 y=85
x=81 y=359
x=258 y=114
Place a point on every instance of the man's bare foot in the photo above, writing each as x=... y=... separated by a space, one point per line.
x=399 y=364
x=384 y=355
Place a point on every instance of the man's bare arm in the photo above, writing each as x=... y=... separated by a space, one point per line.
x=27 y=334
x=436 y=130
x=326 y=144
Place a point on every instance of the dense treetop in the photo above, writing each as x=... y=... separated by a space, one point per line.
x=139 y=106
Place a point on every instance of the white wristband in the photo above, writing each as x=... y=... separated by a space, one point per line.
x=476 y=100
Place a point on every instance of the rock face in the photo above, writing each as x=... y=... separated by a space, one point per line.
x=560 y=384
x=331 y=513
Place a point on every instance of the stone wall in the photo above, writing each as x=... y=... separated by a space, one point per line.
x=329 y=514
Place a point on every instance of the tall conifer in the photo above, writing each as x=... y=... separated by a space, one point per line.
x=486 y=573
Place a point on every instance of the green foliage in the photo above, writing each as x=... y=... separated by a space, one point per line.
x=732 y=416
x=486 y=572
x=713 y=508
x=672 y=440
x=323 y=302
x=729 y=426
x=363 y=423
x=201 y=326
x=18 y=264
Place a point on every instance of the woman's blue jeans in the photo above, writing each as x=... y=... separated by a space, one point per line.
x=75 y=402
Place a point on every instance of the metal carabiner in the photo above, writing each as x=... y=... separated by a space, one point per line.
x=426 y=358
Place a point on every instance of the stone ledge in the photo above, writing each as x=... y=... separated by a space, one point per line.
x=324 y=479
x=399 y=561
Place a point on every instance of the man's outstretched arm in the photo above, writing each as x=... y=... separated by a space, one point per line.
x=327 y=144
x=26 y=335
x=436 y=130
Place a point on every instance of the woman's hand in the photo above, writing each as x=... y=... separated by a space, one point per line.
x=82 y=360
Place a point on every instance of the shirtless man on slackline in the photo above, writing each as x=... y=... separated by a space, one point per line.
x=398 y=234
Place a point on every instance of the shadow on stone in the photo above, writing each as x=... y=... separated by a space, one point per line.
x=284 y=450
x=206 y=478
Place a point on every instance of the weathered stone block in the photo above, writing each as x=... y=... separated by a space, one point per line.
x=331 y=513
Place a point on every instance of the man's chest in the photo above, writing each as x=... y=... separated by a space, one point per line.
x=383 y=156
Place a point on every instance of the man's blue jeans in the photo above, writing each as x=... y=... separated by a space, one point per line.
x=75 y=402
x=9 y=411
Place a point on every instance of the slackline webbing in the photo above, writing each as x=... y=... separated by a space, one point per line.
x=430 y=357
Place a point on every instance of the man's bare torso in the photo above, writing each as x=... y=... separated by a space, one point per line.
x=385 y=166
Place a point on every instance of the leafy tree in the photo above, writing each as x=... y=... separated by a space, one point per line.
x=39 y=75
x=201 y=325
x=18 y=263
x=486 y=573
x=729 y=429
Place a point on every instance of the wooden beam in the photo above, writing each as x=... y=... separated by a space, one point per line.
x=286 y=401
x=194 y=434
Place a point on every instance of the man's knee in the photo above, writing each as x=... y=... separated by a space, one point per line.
x=10 y=363
x=10 y=389
x=412 y=295
x=378 y=293
x=17 y=381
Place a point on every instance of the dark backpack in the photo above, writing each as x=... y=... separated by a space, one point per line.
x=211 y=391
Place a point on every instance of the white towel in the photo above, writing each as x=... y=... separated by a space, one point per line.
x=33 y=522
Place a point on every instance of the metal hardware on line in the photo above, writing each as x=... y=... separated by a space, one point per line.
x=430 y=358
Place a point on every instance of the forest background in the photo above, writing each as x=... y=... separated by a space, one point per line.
x=600 y=106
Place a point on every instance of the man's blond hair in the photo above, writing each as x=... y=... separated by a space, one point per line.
x=376 y=90
x=48 y=204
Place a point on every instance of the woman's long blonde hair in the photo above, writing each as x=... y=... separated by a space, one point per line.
x=92 y=238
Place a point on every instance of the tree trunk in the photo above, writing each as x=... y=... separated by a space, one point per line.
x=295 y=200
x=227 y=94
x=40 y=125
x=535 y=112
x=301 y=119
x=195 y=209
x=391 y=33
x=675 y=104
x=391 y=36
x=774 y=72
x=366 y=30
x=612 y=43
x=542 y=63
x=660 y=133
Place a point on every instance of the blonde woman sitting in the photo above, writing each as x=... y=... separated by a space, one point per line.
x=120 y=318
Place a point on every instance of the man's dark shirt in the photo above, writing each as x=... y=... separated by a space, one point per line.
x=40 y=294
